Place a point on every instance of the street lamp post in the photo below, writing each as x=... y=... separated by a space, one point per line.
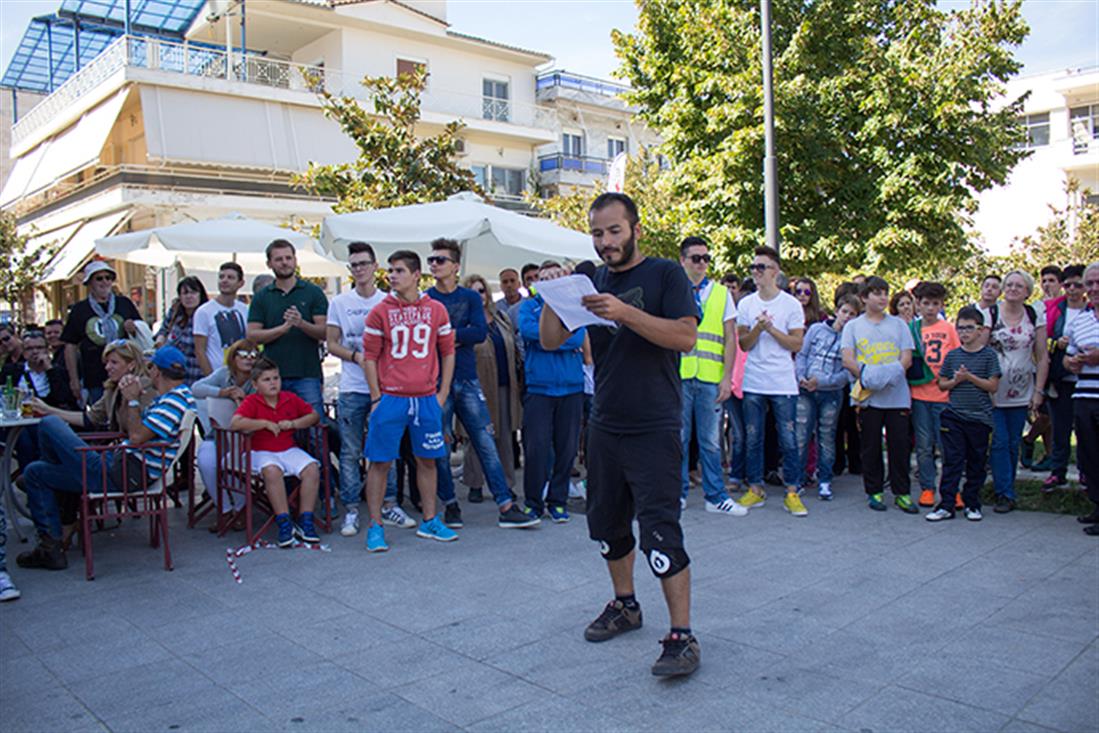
x=770 y=174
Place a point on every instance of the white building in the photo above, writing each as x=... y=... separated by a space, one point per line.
x=171 y=122
x=1062 y=119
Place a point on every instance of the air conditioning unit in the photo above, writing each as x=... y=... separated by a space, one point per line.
x=460 y=146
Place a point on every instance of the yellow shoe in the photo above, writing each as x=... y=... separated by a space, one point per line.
x=794 y=505
x=751 y=499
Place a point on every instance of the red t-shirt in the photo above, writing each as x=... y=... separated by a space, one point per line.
x=938 y=341
x=289 y=407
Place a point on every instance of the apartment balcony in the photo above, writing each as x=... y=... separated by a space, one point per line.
x=1080 y=156
x=153 y=60
x=552 y=86
x=571 y=170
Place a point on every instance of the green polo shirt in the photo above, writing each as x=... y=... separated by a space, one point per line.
x=297 y=355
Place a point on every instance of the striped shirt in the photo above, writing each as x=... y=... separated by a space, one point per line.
x=164 y=418
x=967 y=400
x=1083 y=335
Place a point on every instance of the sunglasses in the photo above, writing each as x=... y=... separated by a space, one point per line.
x=803 y=291
x=1074 y=285
x=438 y=260
x=758 y=267
x=699 y=258
x=102 y=278
x=248 y=354
x=361 y=265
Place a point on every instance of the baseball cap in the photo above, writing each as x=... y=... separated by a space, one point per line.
x=97 y=266
x=169 y=357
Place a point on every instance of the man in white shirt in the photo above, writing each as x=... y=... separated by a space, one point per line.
x=347 y=314
x=771 y=324
x=222 y=321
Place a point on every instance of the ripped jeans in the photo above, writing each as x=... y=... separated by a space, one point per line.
x=818 y=414
x=784 y=408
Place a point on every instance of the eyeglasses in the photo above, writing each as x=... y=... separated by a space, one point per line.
x=102 y=278
x=360 y=265
x=699 y=258
x=965 y=329
x=438 y=260
x=758 y=267
x=1015 y=286
x=248 y=354
x=1074 y=285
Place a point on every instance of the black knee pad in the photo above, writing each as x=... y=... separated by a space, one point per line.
x=616 y=549
x=666 y=563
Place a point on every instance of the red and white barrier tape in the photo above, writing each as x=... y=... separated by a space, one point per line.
x=231 y=554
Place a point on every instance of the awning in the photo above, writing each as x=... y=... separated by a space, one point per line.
x=77 y=147
x=60 y=237
x=80 y=246
x=237 y=131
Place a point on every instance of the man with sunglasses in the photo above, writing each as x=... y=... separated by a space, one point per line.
x=104 y=316
x=706 y=375
x=220 y=322
x=11 y=347
x=466 y=400
x=1083 y=361
x=1061 y=385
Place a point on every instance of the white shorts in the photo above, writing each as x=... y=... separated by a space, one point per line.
x=292 y=461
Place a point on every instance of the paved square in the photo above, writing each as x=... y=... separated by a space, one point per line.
x=846 y=620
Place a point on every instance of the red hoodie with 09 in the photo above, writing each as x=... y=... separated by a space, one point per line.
x=406 y=340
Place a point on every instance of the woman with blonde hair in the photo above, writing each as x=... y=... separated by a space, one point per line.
x=499 y=378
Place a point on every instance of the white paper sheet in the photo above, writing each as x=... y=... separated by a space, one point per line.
x=563 y=296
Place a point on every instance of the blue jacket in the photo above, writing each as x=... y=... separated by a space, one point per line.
x=821 y=357
x=551 y=373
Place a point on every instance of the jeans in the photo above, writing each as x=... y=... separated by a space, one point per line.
x=965 y=447
x=784 y=408
x=926 y=421
x=818 y=414
x=1007 y=434
x=734 y=408
x=354 y=409
x=896 y=425
x=58 y=469
x=702 y=413
x=1060 y=414
x=551 y=435
x=468 y=402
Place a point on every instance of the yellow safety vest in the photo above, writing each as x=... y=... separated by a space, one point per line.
x=706 y=361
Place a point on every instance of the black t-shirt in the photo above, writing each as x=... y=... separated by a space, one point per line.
x=637 y=387
x=83 y=329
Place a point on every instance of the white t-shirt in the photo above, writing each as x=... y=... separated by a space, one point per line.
x=222 y=326
x=730 y=304
x=769 y=368
x=348 y=311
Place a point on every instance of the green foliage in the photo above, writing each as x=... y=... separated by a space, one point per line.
x=884 y=124
x=20 y=268
x=395 y=167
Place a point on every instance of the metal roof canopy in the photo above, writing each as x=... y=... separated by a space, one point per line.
x=47 y=53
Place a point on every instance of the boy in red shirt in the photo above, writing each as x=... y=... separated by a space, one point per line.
x=937 y=339
x=405 y=336
x=272 y=416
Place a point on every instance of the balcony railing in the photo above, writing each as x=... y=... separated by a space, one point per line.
x=576 y=163
x=579 y=82
x=204 y=61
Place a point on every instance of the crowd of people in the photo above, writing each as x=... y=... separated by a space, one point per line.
x=731 y=383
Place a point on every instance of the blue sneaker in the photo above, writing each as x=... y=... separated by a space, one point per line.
x=305 y=531
x=434 y=529
x=375 y=539
x=559 y=514
x=286 y=534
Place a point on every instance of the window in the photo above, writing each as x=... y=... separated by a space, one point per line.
x=510 y=181
x=480 y=173
x=495 y=101
x=1083 y=127
x=1037 y=131
x=572 y=144
x=408 y=66
x=615 y=145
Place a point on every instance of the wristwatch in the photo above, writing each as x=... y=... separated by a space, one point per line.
x=134 y=403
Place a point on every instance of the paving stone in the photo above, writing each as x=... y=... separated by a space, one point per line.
x=473 y=695
x=898 y=709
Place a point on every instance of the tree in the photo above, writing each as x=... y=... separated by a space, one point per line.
x=20 y=268
x=885 y=126
x=395 y=167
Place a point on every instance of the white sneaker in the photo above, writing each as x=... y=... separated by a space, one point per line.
x=824 y=491
x=973 y=515
x=8 y=591
x=350 y=526
x=939 y=515
x=577 y=490
x=729 y=507
x=682 y=503
x=394 y=516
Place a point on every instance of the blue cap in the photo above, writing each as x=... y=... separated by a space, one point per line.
x=169 y=357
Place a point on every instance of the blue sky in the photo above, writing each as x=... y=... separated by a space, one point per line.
x=1064 y=33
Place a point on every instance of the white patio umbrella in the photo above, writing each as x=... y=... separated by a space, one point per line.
x=204 y=245
x=491 y=238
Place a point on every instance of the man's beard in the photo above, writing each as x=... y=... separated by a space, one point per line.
x=628 y=250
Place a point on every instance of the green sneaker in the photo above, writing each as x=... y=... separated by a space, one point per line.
x=874 y=501
x=904 y=503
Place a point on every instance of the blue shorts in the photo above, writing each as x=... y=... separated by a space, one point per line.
x=421 y=415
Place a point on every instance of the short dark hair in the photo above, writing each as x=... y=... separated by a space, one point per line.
x=546 y=264
x=356 y=248
x=992 y=276
x=730 y=278
x=971 y=313
x=409 y=258
x=604 y=200
x=33 y=332
x=1053 y=270
x=529 y=267
x=234 y=267
x=263 y=364
x=844 y=289
x=278 y=244
x=442 y=243
x=929 y=290
x=689 y=242
x=849 y=299
x=1072 y=271
x=507 y=269
x=747 y=286
x=873 y=284
x=770 y=253
x=55 y=322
